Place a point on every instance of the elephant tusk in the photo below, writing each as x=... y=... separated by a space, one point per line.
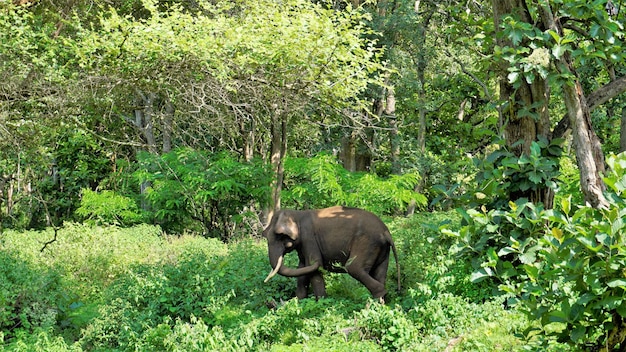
x=278 y=265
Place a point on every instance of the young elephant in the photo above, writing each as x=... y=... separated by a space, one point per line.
x=338 y=239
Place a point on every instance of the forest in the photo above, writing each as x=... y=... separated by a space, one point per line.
x=146 y=144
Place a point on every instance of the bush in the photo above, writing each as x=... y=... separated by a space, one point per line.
x=108 y=208
x=389 y=327
x=426 y=264
x=563 y=267
x=320 y=182
x=503 y=176
x=136 y=289
x=30 y=297
x=208 y=194
x=41 y=340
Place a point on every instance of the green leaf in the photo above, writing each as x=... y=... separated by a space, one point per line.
x=506 y=250
x=578 y=333
x=559 y=50
x=529 y=257
x=555 y=35
x=566 y=204
x=617 y=283
x=621 y=310
x=516 y=36
x=532 y=271
x=557 y=316
x=481 y=274
x=595 y=30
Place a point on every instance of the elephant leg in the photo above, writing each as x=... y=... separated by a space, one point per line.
x=362 y=274
x=316 y=280
x=379 y=272
x=302 y=290
x=319 y=287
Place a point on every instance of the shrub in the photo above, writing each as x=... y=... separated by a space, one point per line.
x=210 y=194
x=320 y=182
x=389 y=327
x=426 y=264
x=108 y=208
x=504 y=176
x=41 y=340
x=563 y=267
x=30 y=297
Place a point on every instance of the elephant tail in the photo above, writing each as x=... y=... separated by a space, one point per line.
x=395 y=255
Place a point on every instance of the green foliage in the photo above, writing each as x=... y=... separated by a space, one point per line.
x=569 y=182
x=134 y=289
x=71 y=161
x=42 y=340
x=533 y=49
x=90 y=257
x=108 y=208
x=390 y=327
x=426 y=264
x=443 y=178
x=153 y=294
x=562 y=267
x=30 y=297
x=320 y=181
x=210 y=193
x=504 y=176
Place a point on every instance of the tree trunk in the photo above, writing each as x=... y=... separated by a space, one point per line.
x=589 y=155
x=389 y=112
x=534 y=97
x=278 y=150
x=595 y=99
x=622 y=132
x=348 y=151
x=247 y=131
x=167 y=126
x=144 y=117
x=587 y=144
x=525 y=108
x=421 y=63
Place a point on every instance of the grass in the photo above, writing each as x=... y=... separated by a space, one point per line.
x=110 y=288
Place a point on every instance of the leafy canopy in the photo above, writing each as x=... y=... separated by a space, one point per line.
x=298 y=46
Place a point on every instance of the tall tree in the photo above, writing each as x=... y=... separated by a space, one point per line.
x=540 y=47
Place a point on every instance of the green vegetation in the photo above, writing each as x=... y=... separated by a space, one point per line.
x=563 y=267
x=322 y=182
x=107 y=288
x=145 y=143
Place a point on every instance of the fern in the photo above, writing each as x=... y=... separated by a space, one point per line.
x=321 y=181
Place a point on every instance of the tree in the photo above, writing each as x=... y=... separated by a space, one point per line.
x=229 y=69
x=540 y=47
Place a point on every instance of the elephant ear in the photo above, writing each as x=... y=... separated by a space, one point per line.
x=286 y=225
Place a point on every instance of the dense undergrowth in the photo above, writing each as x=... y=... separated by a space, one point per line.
x=109 y=288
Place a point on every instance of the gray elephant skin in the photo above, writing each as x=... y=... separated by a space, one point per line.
x=338 y=239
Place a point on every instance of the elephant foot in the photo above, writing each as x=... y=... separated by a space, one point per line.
x=380 y=294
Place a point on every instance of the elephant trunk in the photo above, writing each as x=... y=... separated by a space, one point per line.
x=276 y=260
x=306 y=270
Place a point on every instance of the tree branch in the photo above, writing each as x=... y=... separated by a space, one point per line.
x=56 y=230
x=595 y=99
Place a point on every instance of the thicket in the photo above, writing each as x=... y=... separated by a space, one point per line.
x=562 y=267
x=216 y=195
x=111 y=288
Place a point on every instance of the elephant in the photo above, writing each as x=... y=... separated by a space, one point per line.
x=338 y=239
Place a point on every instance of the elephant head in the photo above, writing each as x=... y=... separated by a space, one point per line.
x=284 y=234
